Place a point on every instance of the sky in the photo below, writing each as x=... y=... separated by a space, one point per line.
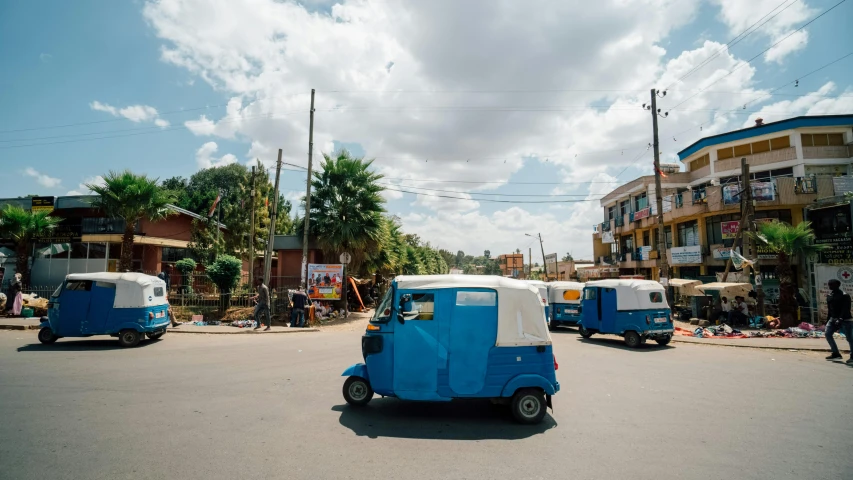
x=523 y=113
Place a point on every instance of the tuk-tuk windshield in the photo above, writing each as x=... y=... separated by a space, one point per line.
x=383 y=311
x=57 y=291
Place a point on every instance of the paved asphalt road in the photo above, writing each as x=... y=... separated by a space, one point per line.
x=270 y=406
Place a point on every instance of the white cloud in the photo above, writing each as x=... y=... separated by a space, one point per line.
x=739 y=15
x=819 y=102
x=134 y=113
x=464 y=116
x=42 y=179
x=82 y=188
x=204 y=156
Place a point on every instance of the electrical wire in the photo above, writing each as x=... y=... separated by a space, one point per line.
x=759 y=54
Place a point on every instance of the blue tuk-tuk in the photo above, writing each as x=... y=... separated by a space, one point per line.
x=441 y=337
x=634 y=309
x=542 y=287
x=124 y=305
x=564 y=299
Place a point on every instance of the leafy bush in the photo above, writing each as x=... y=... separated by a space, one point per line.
x=186 y=266
x=225 y=272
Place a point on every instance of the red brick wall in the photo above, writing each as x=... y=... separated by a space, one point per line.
x=290 y=262
x=174 y=227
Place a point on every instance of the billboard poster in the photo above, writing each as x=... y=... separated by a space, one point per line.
x=825 y=273
x=686 y=255
x=763 y=191
x=730 y=229
x=641 y=214
x=724 y=253
x=731 y=194
x=607 y=237
x=325 y=282
x=551 y=259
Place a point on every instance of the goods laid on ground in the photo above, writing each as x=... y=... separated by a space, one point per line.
x=804 y=330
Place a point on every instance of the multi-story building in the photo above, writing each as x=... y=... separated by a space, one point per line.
x=512 y=265
x=793 y=163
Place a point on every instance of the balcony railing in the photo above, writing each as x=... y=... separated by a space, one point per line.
x=699 y=197
x=828 y=151
x=620 y=221
x=679 y=202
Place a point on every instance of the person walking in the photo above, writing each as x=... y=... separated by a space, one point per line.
x=840 y=319
x=262 y=307
x=298 y=305
x=17 y=295
x=166 y=277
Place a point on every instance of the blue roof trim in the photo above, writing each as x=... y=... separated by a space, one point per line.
x=767 y=128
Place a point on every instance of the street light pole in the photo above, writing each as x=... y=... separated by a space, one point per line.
x=542 y=247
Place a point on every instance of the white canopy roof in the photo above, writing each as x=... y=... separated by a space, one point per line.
x=556 y=289
x=542 y=287
x=634 y=294
x=133 y=290
x=730 y=290
x=685 y=286
x=521 y=319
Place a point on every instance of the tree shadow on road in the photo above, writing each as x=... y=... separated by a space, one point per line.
x=457 y=420
x=618 y=343
x=75 y=345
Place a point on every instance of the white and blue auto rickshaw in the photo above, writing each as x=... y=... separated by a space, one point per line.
x=124 y=305
x=564 y=299
x=442 y=337
x=635 y=309
x=542 y=287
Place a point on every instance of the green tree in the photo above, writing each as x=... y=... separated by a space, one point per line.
x=132 y=198
x=460 y=258
x=346 y=207
x=186 y=266
x=225 y=273
x=787 y=241
x=23 y=227
x=568 y=257
x=206 y=241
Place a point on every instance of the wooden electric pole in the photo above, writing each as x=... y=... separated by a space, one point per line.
x=751 y=249
x=663 y=264
x=544 y=262
x=268 y=255
x=529 y=263
x=252 y=233
x=308 y=195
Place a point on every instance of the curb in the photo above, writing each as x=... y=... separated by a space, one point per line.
x=762 y=347
x=19 y=327
x=243 y=332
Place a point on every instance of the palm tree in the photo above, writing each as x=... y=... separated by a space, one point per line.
x=133 y=198
x=347 y=208
x=23 y=226
x=787 y=241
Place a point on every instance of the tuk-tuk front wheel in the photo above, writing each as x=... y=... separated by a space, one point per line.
x=46 y=335
x=528 y=406
x=357 y=391
x=585 y=333
x=632 y=339
x=129 y=338
x=664 y=340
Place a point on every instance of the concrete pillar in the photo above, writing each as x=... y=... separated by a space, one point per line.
x=712 y=158
x=797 y=143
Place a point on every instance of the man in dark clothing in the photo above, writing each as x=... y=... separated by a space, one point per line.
x=298 y=304
x=263 y=304
x=164 y=275
x=840 y=319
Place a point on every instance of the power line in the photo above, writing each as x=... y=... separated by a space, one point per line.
x=734 y=41
x=760 y=53
x=485 y=193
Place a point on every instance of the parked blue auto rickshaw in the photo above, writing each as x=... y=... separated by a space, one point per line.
x=441 y=337
x=124 y=305
x=634 y=309
x=565 y=303
x=542 y=287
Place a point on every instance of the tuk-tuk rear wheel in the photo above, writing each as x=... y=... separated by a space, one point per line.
x=155 y=336
x=585 y=333
x=357 y=391
x=632 y=339
x=46 y=335
x=129 y=338
x=528 y=406
x=664 y=340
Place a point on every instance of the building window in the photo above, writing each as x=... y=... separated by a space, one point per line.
x=714 y=231
x=625 y=207
x=688 y=234
x=641 y=201
x=761 y=146
x=646 y=239
x=700 y=162
x=611 y=213
x=667 y=232
x=777 y=215
x=172 y=255
x=822 y=139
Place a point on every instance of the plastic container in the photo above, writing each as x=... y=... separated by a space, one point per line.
x=27 y=312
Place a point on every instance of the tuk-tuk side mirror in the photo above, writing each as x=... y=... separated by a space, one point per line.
x=404 y=299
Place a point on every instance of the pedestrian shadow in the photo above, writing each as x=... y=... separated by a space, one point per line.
x=456 y=420
x=73 y=345
x=618 y=343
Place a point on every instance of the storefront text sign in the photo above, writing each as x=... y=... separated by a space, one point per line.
x=686 y=255
x=730 y=229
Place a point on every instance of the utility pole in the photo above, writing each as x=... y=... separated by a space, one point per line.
x=252 y=233
x=744 y=219
x=308 y=194
x=749 y=211
x=544 y=263
x=529 y=262
x=663 y=264
x=268 y=255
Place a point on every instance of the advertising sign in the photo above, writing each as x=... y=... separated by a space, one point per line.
x=641 y=214
x=686 y=255
x=645 y=253
x=843 y=184
x=730 y=229
x=607 y=237
x=723 y=253
x=731 y=194
x=43 y=204
x=325 y=282
x=761 y=192
x=825 y=273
